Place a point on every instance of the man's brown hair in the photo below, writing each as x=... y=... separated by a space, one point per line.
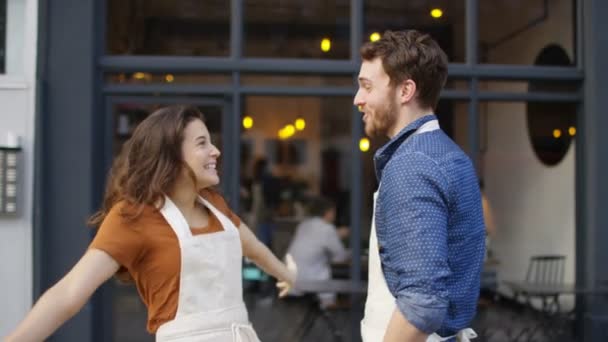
x=411 y=55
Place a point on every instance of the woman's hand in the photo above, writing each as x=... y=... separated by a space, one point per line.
x=286 y=284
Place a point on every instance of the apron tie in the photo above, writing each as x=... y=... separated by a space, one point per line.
x=464 y=335
x=241 y=330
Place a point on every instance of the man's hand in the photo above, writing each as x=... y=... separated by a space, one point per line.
x=399 y=330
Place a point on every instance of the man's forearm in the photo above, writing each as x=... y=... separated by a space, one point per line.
x=400 y=330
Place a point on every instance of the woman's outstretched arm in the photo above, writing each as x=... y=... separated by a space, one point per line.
x=66 y=298
x=268 y=262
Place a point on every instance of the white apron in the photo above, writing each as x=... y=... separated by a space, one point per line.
x=210 y=306
x=380 y=303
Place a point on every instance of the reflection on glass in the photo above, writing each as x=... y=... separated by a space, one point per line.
x=456 y=84
x=533 y=204
x=515 y=31
x=301 y=163
x=296 y=80
x=283 y=174
x=560 y=87
x=128 y=115
x=167 y=78
x=442 y=19
x=297 y=29
x=504 y=86
x=306 y=143
x=176 y=28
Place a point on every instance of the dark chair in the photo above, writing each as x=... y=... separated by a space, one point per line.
x=314 y=312
x=547 y=270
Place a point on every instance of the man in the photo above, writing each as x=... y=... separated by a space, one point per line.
x=316 y=244
x=427 y=238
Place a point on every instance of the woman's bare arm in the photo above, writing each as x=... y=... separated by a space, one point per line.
x=66 y=298
x=268 y=262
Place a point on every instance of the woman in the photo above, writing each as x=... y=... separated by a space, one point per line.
x=163 y=227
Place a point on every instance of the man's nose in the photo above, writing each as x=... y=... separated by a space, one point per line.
x=358 y=101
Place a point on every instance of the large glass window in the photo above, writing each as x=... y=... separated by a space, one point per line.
x=443 y=19
x=297 y=29
x=295 y=150
x=176 y=28
x=306 y=142
x=524 y=151
x=515 y=31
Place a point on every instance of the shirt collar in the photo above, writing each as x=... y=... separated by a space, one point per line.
x=384 y=154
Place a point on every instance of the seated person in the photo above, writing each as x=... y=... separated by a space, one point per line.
x=316 y=244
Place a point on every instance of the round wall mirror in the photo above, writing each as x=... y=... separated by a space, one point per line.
x=551 y=125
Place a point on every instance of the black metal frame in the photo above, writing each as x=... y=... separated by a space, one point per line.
x=232 y=94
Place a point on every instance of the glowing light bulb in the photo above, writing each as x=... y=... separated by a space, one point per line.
x=300 y=124
x=557 y=133
x=139 y=75
x=247 y=122
x=436 y=13
x=325 y=45
x=364 y=144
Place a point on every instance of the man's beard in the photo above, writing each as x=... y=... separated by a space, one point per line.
x=382 y=121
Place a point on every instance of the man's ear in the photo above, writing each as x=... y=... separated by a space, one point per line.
x=406 y=91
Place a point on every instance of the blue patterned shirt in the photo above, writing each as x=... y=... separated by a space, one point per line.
x=430 y=228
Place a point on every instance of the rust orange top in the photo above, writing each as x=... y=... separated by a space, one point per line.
x=148 y=249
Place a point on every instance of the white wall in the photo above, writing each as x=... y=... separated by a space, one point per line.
x=17 y=98
x=534 y=204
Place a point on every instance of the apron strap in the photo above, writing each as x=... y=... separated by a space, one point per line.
x=240 y=331
x=175 y=218
x=224 y=220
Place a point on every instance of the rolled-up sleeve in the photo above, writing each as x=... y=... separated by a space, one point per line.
x=412 y=228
